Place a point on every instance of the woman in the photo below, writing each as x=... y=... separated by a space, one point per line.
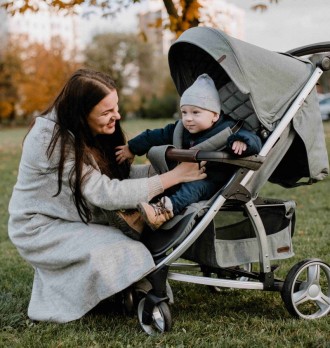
x=68 y=184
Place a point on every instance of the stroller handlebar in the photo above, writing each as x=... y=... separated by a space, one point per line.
x=321 y=47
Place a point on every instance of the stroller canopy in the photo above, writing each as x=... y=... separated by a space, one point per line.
x=268 y=80
x=271 y=79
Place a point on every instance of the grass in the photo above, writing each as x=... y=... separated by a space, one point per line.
x=231 y=318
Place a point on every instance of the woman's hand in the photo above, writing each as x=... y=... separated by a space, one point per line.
x=123 y=153
x=238 y=147
x=184 y=172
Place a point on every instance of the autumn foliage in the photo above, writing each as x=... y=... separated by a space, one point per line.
x=30 y=76
x=10 y=71
x=182 y=14
x=45 y=71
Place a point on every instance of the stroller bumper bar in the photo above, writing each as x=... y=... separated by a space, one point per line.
x=194 y=155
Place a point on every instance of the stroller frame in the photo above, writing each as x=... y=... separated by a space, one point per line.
x=153 y=311
x=246 y=175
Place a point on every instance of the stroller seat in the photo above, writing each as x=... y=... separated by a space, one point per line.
x=173 y=232
x=238 y=106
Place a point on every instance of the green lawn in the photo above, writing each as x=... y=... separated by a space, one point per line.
x=231 y=318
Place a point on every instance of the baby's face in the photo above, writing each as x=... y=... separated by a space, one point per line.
x=196 y=119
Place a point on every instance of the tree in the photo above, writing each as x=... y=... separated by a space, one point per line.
x=10 y=71
x=30 y=77
x=183 y=14
x=44 y=73
x=140 y=74
x=115 y=54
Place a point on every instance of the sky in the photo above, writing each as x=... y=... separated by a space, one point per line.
x=286 y=25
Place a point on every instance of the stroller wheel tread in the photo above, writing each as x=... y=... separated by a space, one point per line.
x=306 y=289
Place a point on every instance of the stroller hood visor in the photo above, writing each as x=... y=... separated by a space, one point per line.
x=271 y=80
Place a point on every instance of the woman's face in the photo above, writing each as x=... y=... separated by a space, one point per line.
x=102 y=119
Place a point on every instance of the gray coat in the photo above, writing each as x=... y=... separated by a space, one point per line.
x=76 y=265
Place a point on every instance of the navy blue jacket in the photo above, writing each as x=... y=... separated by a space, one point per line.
x=142 y=143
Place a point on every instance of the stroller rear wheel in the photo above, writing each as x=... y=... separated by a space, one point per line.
x=161 y=318
x=306 y=289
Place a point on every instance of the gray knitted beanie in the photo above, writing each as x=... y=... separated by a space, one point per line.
x=203 y=94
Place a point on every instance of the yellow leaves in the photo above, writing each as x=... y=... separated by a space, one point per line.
x=173 y=23
x=192 y=11
x=6 y=109
x=186 y=16
x=260 y=7
x=42 y=70
x=158 y=23
x=45 y=71
x=143 y=37
x=184 y=26
x=263 y=6
x=182 y=14
x=12 y=6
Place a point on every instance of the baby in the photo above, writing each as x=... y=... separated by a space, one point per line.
x=201 y=118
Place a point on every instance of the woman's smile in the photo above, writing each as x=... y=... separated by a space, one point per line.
x=111 y=123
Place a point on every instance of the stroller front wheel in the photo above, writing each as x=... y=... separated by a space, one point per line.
x=306 y=289
x=161 y=318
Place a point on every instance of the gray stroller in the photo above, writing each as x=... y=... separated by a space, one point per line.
x=216 y=242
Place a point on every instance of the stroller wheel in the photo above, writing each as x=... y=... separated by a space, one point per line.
x=141 y=289
x=143 y=286
x=125 y=301
x=306 y=289
x=245 y=267
x=161 y=318
x=214 y=289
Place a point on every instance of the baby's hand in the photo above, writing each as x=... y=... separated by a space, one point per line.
x=123 y=153
x=238 y=147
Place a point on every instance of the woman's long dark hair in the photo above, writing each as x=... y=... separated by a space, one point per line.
x=84 y=89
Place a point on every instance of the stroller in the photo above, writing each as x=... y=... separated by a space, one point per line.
x=215 y=242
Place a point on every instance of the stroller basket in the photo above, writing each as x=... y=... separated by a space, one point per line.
x=230 y=240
